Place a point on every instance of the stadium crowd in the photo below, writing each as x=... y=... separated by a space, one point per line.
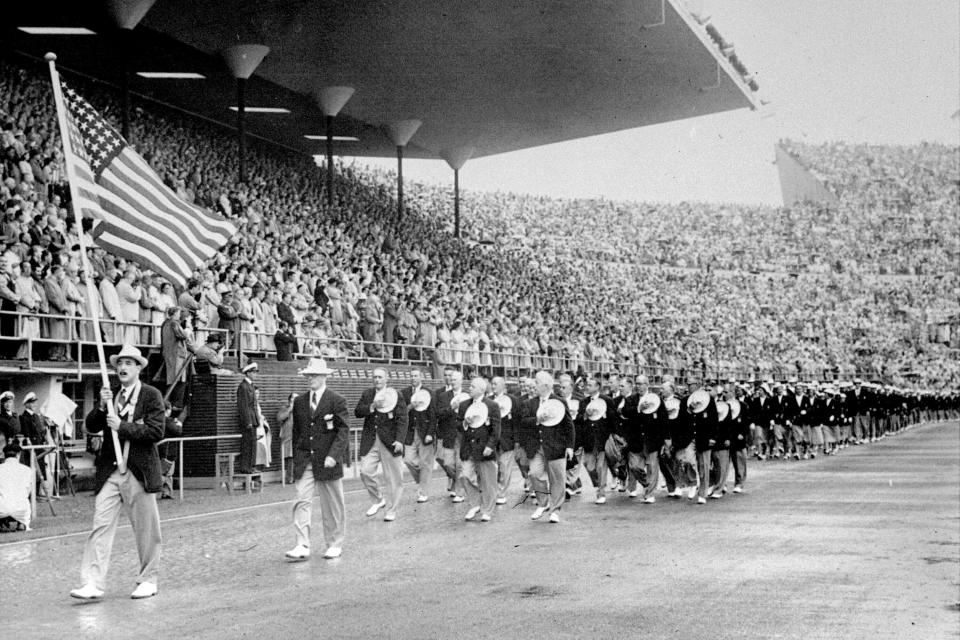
x=785 y=292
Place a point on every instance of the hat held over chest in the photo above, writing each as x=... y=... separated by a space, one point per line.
x=420 y=400
x=458 y=399
x=723 y=410
x=698 y=401
x=596 y=409
x=476 y=415
x=649 y=403
x=385 y=400
x=551 y=413
x=505 y=404
x=673 y=408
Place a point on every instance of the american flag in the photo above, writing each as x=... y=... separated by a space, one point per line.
x=138 y=217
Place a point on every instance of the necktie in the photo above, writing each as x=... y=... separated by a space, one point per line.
x=122 y=400
x=313 y=401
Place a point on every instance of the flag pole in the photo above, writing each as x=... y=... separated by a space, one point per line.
x=92 y=311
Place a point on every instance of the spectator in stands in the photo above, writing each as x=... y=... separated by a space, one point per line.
x=9 y=421
x=285 y=342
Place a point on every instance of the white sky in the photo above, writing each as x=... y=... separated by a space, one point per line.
x=857 y=70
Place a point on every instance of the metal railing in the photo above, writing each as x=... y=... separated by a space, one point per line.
x=495 y=360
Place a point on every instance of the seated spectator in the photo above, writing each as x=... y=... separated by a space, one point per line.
x=16 y=485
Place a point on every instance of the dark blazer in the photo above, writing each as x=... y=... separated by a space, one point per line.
x=679 y=429
x=510 y=425
x=784 y=411
x=555 y=440
x=653 y=430
x=627 y=415
x=592 y=434
x=247 y=405
x=33 y=426
x=143 y=429
x=739 y=427
x=763 y=415
x=423 y=422
x=858 y=405
x=448 y=428
x=315 y=438
x=390 y=427
x=705 y=425
x=799 y=413
x=488 y=435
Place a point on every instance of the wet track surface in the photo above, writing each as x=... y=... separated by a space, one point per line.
x=865 y=544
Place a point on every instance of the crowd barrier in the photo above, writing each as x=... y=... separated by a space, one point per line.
x=240 y=344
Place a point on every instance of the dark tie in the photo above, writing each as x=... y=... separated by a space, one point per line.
x=313 y=401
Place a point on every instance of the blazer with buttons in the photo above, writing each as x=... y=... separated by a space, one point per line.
x=476 y=440
x=389 y=427
x=143 y=430
x=423 y=422
x=555 y=440
x=315 y=437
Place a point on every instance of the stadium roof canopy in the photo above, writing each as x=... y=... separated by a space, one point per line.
x=498 y=75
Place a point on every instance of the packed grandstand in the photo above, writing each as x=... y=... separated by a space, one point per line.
x=867 y=286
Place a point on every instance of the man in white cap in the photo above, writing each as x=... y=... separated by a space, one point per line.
x=548 y=440
x=420 y=447
x=858 y=403
x=321 y=433
x=381 y=444
x=478 y=450
x=763 y=415
x=138 y=419
x=248 y=417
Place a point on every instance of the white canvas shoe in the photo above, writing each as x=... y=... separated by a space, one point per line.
x=485 y=517
x=501 y=501
x=333 y=552
x=144 y=590
x=87 y=592
x=538 y=513
x=738 y=489
x=472 y=513
x=554 y=517
x=299 y=552
x=649 y=500
x=457 y=499
x=372 y=511
x=601 y=500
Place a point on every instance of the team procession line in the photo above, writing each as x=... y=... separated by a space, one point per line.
x=864 y=544
x=352 y=487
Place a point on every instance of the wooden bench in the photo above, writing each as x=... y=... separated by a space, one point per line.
x=225 y=474
x=223 y=470
x=250 y=481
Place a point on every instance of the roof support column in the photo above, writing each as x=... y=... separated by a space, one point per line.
x=126 y=15
x=400 y=133
x=456 y=158
x=243 y=60
x=331 y=100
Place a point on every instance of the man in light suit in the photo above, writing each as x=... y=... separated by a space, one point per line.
x=381 y=443
x=138 y=419
x=320 y=436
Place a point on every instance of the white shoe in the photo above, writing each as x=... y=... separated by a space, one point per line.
x=390 y=517
x=485 y=517
x=144 y=590
x=372 y=511
x=333 y=552
x=716 y=495
x=501 y=501
x=692 y=493
x=299 y=552
x=738 y=489
x=538 y=513
x=554 y=517
x=472 y=513
x=457 y=499
x=649 y=500
x=87 y=592
x=634 y=493
x=701 y=501
x=422 y=498
x=601 y=500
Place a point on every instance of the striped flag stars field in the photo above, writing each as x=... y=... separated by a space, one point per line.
x=138 y=217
